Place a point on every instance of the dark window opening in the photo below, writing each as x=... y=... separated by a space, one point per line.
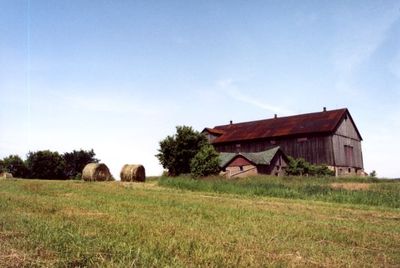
x=349 y=170
x=241 y=168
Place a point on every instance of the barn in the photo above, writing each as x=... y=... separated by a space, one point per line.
x=269 y=162
x=328 y=137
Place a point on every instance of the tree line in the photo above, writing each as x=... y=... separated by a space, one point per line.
x=49 y=165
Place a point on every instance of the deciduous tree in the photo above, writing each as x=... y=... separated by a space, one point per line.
x=177 y=151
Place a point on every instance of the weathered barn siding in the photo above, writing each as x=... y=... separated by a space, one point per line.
x=347 y=129
x=316 y=149
x=339 y=143
x=313 y=149
x=277 y=166
x=239 y=162
x=240 y=167
x=346 y=135
x=236 y=172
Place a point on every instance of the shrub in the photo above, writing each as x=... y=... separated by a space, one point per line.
x=46 y=165
x=205 y=162
x=15 y=165
x=297 y=167
x=300 y=167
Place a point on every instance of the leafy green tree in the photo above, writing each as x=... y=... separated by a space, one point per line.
x=176 y=152
x=76 y=161
x=205 y=162
x=15 y=165
x=46 y=165
x=1 y=166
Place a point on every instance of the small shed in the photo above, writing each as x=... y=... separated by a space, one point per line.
x=269 y=162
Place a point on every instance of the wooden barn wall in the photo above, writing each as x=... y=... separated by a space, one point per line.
x=347 y=129
x=317 y=150
x=339 y=143
x=276 y=167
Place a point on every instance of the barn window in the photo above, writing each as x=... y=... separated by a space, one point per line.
x=273 y=142
x=241 y=168
x=349 y=170
x=302 y=139
x=238 y=145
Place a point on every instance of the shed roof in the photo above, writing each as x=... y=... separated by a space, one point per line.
x=317 y=123
x=260 y=158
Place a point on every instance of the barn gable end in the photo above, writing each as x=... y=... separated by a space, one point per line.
x=347 y=128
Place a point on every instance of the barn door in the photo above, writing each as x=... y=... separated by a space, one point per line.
x=349 y=154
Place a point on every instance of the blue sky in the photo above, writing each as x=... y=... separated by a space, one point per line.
x=118 y=76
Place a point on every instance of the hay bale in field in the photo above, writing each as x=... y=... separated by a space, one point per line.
x=96 y=172
x=5 y=175
x=133 y=173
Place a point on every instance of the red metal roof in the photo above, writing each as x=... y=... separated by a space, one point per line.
x=214 y=131
x=320 y=122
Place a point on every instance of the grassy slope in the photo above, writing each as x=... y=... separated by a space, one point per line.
x=66 y=223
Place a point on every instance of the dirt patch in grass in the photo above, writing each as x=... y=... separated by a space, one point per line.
x=351 y=186
x=9 y=256
x=13 y=258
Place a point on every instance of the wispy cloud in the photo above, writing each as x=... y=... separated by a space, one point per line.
x=229 y=87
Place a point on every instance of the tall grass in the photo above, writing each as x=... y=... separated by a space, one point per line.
x=379 y=193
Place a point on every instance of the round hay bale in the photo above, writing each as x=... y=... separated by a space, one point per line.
x=96 y=172
x=6 y=175
x=133 y=173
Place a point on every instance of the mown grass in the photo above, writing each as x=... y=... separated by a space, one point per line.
x=112 y=224
x=378 y=193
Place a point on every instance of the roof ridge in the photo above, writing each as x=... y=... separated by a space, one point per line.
x=283 y=117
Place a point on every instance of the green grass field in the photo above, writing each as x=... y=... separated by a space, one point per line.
x=112 y=224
